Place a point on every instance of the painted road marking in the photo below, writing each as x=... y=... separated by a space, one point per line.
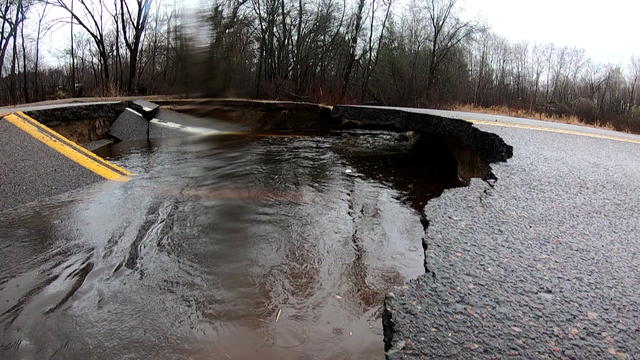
x=553 y=130
x=195 y=130
x=68 y=148
x=72 y=144
x=134 y=112
x=205 y=131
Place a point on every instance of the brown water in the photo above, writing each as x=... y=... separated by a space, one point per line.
x=220 y=248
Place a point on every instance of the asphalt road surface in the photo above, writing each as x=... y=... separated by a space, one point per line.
x=543 y=263
x=38 y=162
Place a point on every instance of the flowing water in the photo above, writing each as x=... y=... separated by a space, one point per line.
x=219 y=248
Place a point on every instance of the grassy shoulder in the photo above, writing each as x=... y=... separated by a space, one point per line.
x=523 y=113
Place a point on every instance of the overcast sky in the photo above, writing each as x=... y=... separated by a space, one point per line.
x=608 y=30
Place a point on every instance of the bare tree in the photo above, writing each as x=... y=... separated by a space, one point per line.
x=634 y=79
x=133 y=28
x=537 y=63
x=353 y=45
x=42 y=27
x=91 y=17
x=372 y=60
x=11 y=16
x=25 y=85
x=19 y=18
x=446 y=32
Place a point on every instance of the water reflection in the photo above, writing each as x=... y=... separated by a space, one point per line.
x=220 y=248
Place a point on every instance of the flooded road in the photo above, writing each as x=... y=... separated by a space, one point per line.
x=220 y=248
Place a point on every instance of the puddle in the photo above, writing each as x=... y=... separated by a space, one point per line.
x=223 y=248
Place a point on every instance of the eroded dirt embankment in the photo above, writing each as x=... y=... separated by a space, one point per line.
x=259 y=115
x=82 y=123
x=474 y=149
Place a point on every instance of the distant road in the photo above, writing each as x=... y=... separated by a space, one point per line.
x=523 y=123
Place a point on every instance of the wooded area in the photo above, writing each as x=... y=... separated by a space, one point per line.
x=421 y=53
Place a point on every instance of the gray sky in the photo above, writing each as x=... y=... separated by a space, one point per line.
x=608 y=30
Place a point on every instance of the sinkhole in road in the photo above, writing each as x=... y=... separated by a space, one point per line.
x=227 y=247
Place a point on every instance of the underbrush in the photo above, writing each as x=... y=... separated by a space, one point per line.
x=523 y=113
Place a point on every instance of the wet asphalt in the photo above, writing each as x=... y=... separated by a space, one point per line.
x=32 y=171
x=543 y=263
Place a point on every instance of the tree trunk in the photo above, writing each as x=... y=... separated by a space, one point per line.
x=12 y=84
x=25 y=83
x=73 y=57
x=133 y=65
x=352 y=49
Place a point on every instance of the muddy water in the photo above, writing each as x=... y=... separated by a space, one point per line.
x=220 y=248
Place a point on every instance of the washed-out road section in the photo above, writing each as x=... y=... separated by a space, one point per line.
x=278 y=238
x=539 y=260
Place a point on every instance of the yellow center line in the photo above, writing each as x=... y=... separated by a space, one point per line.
x=64 y=149
x=553 y=130
x=73 y=144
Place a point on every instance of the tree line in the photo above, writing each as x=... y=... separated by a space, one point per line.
x=422 y=53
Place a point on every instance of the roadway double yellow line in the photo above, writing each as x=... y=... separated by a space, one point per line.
x=68 y=148
x=554 y=130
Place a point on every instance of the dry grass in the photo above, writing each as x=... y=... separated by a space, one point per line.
x=522 y=113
